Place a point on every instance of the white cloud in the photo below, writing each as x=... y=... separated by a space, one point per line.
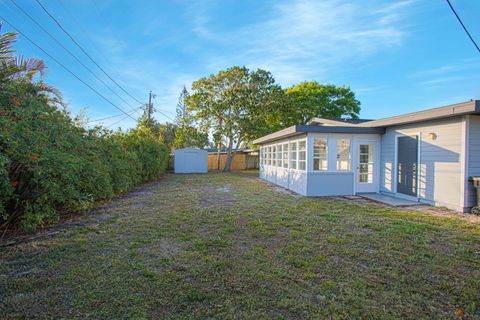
x=296 y=40
x=454 y=73
x=304 y=39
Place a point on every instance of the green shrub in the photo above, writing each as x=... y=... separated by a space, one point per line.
x=49 y=164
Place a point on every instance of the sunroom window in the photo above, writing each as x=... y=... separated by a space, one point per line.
x=320 y=154
x=302 y=155
x=343 y=154
x=269 y=155
x=274 y=155
x=293 y=155
x=279 y=155
x=285 y=155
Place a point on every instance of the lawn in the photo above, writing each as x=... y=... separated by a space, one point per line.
x=230 y=246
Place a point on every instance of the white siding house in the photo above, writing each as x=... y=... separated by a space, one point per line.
x=427 y=156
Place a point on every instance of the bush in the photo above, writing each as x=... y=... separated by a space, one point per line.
x=49 y=164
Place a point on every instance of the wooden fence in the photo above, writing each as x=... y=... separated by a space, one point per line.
x=241 y=161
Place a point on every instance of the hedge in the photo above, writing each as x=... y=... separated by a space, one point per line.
x=49 y=164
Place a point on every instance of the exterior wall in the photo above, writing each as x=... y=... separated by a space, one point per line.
x=330 y=182
x=473 y=158
x=441 y=169
x=333 y=182
x=293 y=179
x=190 y=160
x=283 y=178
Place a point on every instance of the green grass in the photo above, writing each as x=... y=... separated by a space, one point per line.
x=186 y=248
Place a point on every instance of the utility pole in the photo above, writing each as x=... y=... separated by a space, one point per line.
x=150 y=106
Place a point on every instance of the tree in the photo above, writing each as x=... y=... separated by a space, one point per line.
x=12 y=66
x=166 y=133
x=186 y=135
x=235 y=105
x=310 y=99
x=16 y=69
x=182 y=112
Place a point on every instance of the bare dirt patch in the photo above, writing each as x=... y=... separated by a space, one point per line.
x=226 y=188
x=216 y=200
x=443 y=212
x=285 y=191
x=424 y=208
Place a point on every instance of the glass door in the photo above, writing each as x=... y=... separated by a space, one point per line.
x=366 y=175
x=365 y=169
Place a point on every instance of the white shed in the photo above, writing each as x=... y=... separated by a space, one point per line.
x=191 y=160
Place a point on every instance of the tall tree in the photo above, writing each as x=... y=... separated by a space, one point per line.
x=186 y=134
x=311 y=99
x=235 y=104
x=182 y=112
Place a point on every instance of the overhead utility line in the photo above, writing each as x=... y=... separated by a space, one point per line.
x=67 y=69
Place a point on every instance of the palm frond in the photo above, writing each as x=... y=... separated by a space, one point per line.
x=6 y=41
x=30 y=66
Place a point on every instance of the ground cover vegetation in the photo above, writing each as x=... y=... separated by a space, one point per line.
x=49 y=162
x=230 y=246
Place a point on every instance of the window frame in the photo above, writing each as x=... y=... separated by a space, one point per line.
x=322 y=161
x=274 y=155
x=341 y=160
x=286 y=160
x=293 y=152
x=279 y=155
x=269 y=155
x=302 y=162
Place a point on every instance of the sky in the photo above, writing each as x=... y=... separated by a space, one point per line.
x=397 y=56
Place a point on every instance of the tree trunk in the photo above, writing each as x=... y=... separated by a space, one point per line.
x=230 y=154
x=228 y=162
x=219 y=153
x=219 y=144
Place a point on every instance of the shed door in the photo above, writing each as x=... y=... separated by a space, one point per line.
x=407 y=165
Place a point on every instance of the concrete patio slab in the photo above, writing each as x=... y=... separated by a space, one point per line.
x=389 y=200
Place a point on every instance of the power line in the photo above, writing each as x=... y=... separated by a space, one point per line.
x=106 y=118
x=162 y=113
x=92 y=43
x=64 y=67
x=116 y=122
x=111 y=117
x=66 y=49
x=463 y=26
x=83 y=50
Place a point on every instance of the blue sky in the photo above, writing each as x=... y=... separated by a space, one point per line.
x=397 y=56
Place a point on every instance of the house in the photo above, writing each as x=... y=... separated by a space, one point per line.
x=427 y=156
x=243 y=159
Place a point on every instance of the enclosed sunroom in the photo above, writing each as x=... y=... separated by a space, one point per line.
x=322 y=160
